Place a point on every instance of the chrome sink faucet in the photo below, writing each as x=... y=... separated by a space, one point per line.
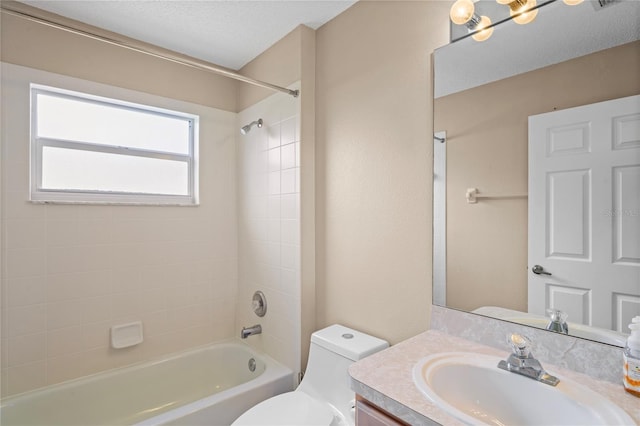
x=522 y=362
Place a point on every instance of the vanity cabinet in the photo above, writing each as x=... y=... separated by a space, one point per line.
x=368 y=414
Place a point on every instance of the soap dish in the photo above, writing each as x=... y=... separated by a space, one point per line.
x=126 y=335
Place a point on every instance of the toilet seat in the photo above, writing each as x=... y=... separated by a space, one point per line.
x=291 y=408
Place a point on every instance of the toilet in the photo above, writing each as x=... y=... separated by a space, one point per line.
x=323 y=397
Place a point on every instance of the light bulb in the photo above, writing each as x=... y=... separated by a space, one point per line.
x=524 y=15
x=461 y=11
x=573 y=2
x=484 y=29
x=504 y=1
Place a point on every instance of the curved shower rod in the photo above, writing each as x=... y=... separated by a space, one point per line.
x=201 y=65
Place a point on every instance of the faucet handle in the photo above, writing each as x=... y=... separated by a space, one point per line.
x=520 y=345
x=558 y=321
x=557 y=315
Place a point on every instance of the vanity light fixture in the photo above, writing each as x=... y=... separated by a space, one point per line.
x=463 y=13
x=522 y=12
x=483 y=28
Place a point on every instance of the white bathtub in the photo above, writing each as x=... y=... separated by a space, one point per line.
x=207 y=386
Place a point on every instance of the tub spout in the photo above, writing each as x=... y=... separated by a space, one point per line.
x=248 y=331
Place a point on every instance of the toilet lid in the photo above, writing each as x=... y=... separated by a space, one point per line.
x=291 y=408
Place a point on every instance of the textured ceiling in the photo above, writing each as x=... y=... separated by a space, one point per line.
x=226 y=32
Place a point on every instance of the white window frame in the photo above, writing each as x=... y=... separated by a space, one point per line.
x=44 y=195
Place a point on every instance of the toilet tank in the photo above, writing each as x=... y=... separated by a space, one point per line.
x=332 y=351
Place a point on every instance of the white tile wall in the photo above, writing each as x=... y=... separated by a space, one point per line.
x=70 y=272
x=269 y=226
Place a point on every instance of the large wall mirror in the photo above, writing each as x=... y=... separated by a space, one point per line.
x=537 y=170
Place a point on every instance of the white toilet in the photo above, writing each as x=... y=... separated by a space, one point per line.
x=323 y=397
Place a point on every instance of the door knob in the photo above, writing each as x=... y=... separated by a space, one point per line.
x=539 y=270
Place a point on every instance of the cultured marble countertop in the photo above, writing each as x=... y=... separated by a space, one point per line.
x=385 y=379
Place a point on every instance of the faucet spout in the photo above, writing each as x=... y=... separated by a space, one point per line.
x=249 y=331
x=522 y=362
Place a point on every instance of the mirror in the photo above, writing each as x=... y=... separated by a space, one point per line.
x=491 y=207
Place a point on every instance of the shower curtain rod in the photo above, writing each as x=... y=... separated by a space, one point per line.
x=201 y=65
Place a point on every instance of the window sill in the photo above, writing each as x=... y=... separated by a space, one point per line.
x=113 y=203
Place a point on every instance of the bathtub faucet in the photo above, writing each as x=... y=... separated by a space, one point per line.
x=249 y=331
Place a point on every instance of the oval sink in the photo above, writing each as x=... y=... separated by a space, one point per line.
x=473 y=389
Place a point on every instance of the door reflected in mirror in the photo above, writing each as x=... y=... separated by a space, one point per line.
x=546 y=136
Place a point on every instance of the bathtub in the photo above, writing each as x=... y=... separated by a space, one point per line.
x=211 y=385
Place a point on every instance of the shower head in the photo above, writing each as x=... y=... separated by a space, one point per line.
x=245 y=129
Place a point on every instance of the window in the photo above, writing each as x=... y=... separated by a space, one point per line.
x=91 y=149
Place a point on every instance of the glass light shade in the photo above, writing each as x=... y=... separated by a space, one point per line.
x=524 y=15
x=504 y=1
x=573 y=2
x=483 y=32
x=461 y=11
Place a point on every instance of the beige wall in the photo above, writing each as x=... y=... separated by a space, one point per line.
x=308 y=192
x=487 y=149
x=374 y=165
x=281 y=64
x=38 y=46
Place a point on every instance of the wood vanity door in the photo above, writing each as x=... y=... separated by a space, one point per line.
x=584 y=212
x=369 y=415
